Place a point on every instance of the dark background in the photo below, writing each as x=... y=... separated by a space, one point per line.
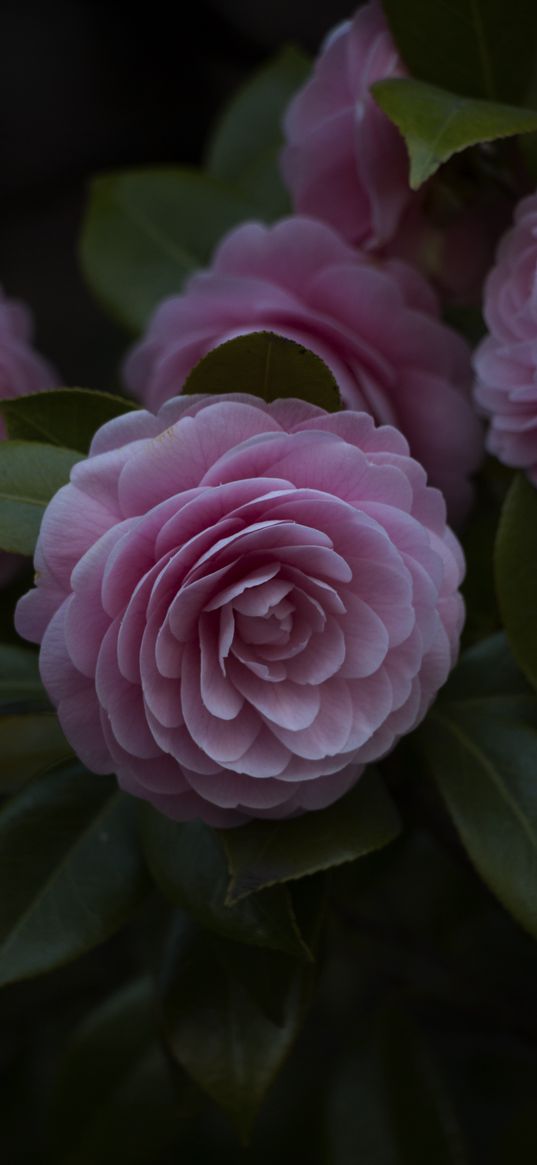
x=87 y=87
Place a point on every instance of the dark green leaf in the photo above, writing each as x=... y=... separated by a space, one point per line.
x=480 y=741
x=389 y=1105
x=519 y=1142
x=267 y=365
x=264 y=853
x=482 y=613
x=436 y=124
x=29 y=744
x=516 y=572
x=113 y=1099
x=188 y=863
x=215 y=1030
x=146 y=230
x=63 y=416
x=244 y=149
x=30 y=475
x=481 y=48
x=423 y=1120
x=70 y=869
x=20 y=682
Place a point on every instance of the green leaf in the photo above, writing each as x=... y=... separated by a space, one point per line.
x=267 y=365
x=389 y=1105
x=263 y=854
x=481 y=48
x=30 y=475
x=29 y=744
x=63 y=416
x=215 y=1030
x=146 y=230
x=424 y=1122
x=20 y=682
x=516 y=573
x=437 y=124
x=113 y=1099
x=480 y=742
x=70 y=861
x=188 y=863
x=245 y=147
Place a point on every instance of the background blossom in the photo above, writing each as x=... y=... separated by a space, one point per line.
x=376 y=325
x=506 y=360
x=22 y=369
x=344 y=161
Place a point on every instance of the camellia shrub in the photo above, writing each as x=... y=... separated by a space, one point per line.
x=268 y=724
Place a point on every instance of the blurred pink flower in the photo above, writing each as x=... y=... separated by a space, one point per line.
x=344 y=161
x=22 y=371
x=506 y=360
x=253 y=602
x=375 y=324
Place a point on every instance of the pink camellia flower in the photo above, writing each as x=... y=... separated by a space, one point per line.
x=375 y=325
x=506 y=360
x=253 y=602
x=345 y=162
x=22 y=370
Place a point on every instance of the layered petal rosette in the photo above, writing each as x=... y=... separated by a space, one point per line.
x=239 y=604
x=506 y=360
x=344 y=161
x=375 y=324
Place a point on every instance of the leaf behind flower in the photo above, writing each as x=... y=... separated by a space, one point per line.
x=267 y=365
x=437 y=124
x=265 y=853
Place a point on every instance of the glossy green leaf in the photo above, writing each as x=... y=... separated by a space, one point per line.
x=245 y=147
x=263 y=854
x=390 y=1105
x=70 y=859
x=113 y=1099
x=188 y=863
x=30 y=475
x=215 y=1030
x=20 y=682
x=480 y=742
x=63 y=416
x=437 y=124
x=146 y=230
x=516 y=572
x=481 y=48
x=29 y=744
x=267 y=365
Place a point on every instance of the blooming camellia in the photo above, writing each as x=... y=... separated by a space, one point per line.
x=345 y=162
x=252 y=602
x=374 y=324
x=506 y=360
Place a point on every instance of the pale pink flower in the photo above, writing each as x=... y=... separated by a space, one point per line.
x=375 y=324
x=344 y=161
x=506 y=360
x=253 y=602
